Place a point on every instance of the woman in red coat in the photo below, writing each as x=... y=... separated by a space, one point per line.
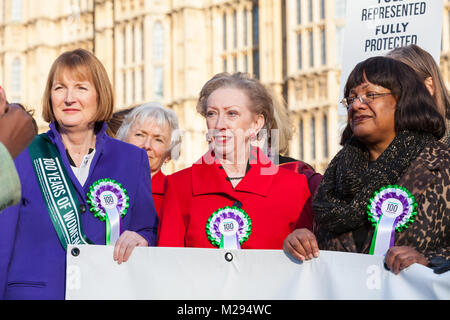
x=234 y=196
x=154 y=129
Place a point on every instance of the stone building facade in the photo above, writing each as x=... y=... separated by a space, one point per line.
x=165 y=50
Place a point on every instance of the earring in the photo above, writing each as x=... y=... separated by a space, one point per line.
x=208 y=137
x=253 y=136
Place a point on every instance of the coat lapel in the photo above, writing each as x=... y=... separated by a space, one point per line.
x=158 y=183
x=208 y=178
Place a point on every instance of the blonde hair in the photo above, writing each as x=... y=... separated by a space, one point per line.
x=84 y=65
x=425 y=66
x=263 y=101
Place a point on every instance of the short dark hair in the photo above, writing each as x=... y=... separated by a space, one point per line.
x=415 y=109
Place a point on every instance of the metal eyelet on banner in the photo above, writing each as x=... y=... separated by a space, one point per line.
x=75 y=252
x=229 y=256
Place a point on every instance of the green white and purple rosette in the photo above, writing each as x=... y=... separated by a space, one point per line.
x=108 y=202
x=228 y=228
x=392 y=208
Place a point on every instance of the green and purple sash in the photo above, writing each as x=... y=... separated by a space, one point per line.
x=57 y=191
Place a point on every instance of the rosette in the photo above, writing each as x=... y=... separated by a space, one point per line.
x=108 y=201
x=392 y=208
x=228 y=228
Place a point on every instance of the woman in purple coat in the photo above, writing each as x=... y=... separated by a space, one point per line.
x=79 y=186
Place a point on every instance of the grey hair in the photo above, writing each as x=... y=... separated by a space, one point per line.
x=162 y=116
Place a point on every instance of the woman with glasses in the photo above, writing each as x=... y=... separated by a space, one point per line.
x=387 y=192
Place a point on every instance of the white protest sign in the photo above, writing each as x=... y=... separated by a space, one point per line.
x=374 y=27
x=218 y=274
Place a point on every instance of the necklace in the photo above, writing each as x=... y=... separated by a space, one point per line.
x=236 y=178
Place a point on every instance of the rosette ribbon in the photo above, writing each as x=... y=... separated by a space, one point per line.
x=228 y=228
x=392 y=208
x=108 y=202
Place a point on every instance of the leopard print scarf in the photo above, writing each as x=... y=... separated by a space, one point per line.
x=349 y=182
x=446 y=138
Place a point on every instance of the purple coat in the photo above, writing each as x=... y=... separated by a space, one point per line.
x=32 y=259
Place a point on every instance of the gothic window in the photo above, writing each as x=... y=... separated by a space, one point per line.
x=16 y=75
x=299 y=51
x=322 y=9
x=323 y=46
x=142 y=73
x=158 y=83
x=245 y=63
x=225 y=64
x=234 y=29
x=224 y=31
x=133 y=44
x=158 y=61
x=124 y=44
x=311 y=49
x=325 y=136
x=142 y=39
x=310 y=12
x=301 y=137
x=158 y=42
x=313 y=138
x=255 y=27
x=340 y=8
x=245 y=27
x=16 y=10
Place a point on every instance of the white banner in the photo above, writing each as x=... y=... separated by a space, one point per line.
x=374 y=27
x=216 y=274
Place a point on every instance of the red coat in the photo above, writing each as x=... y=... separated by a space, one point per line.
x=273 y=202
x=158 y=185
x=314 y=179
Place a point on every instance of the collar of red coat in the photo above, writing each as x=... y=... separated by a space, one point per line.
x=208 y=177
x=158 y=183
